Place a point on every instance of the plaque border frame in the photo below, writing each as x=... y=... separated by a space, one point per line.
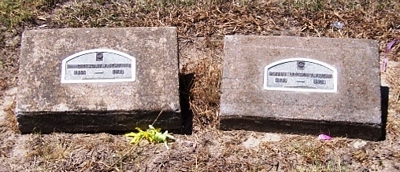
x=102 y=50
x=335 y=76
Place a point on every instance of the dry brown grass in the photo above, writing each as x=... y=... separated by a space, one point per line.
x=201 y=27
x=205 y=92
x=392 y=77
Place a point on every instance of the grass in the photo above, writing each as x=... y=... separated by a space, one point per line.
x=312 y=5
x=14 y=12
x=201 y=28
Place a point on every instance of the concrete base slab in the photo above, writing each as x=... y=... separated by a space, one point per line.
x=350 y=106
x=45 y=104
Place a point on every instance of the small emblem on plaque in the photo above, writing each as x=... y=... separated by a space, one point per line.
x=300 y=64
x=98 y=65
x=300 y=74
x=99 y=57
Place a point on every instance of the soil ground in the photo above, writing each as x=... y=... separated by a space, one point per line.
x=201 y=28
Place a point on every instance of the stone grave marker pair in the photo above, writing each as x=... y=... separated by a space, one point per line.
x=115 y=79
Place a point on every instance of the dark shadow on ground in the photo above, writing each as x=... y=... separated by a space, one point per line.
x=384 y=107
x=185 y=83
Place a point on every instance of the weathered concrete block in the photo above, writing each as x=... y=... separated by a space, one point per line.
x=46 y=104
x=302 y=85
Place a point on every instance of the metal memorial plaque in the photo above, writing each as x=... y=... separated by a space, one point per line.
x=98 y=65
x=300 y=74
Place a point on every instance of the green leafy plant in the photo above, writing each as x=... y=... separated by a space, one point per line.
x=152 y=135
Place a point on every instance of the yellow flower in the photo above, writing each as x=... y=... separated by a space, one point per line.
x=152 y=135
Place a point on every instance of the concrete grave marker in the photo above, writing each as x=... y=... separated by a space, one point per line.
x=98 y=79
x=302 y=85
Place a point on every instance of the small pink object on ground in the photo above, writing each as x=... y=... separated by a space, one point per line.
x=324 y=137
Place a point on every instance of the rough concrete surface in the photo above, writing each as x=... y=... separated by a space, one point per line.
x=45 y=105
x=353 y=111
